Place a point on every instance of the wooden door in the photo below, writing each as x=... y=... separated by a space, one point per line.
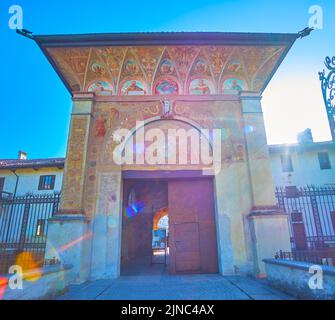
x=187 y=248
x=193 y=246
x=299 y=234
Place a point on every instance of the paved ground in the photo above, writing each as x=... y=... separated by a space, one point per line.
x=180 y=287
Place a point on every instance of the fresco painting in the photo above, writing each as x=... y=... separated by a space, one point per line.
x=201 y=86
x=234 y=66
x=131 y=67
x=98 y=68
x=167 y=67
x=201 y=66
x=166 y=87
x=100 y=86
x=234 y=84
x=171 y=66
x=133 y=88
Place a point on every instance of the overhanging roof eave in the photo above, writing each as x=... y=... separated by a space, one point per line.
x=165 y=38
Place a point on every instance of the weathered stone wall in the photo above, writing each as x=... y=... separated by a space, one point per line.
x=41 y=284
x=293 y=277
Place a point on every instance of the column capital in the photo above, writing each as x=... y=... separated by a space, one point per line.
x=251 y=102
x=250 y=95
x=82 y=103
x=80 y=96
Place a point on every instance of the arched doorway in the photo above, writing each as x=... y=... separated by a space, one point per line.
x=158 y=186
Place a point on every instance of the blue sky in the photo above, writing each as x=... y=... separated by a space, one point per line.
x=35 y=106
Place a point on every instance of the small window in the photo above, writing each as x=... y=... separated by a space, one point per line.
x=324 y=160
x=2 y=183
x=40 y=228
x=46 y=183
x=286 y=163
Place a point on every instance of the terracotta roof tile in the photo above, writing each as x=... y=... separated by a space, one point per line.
x=33 y=163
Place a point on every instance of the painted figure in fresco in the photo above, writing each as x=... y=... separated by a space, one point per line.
x=239 y=153
x=134 y=89
x=167 y=108
x=98 y=68
x=100 y=127
x=100 y=86
x=167 y=87
x=233 y=84
x=236 y=86
x=167 y=67
x=131 y=67
x=234 y=66
x=201 y=66
x=201 y=88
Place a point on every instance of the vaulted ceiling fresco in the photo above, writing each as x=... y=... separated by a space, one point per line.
x=164 y=70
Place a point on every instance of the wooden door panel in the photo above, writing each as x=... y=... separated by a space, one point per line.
x=187 y=262
x=193 y=245
x=187 y=251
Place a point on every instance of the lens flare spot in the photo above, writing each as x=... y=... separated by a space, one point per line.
x=29 y=266
x=134 y=209
x=3 y=286
x=249 y=129
x=76 y=241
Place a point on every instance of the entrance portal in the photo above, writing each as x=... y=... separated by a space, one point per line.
x=168 y=225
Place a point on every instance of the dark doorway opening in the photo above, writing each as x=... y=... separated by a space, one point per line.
x=168 y=226
x=145 y=227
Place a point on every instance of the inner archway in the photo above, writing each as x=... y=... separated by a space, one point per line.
x=161 y=219
x=160 y=236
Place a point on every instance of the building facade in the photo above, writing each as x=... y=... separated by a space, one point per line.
x=130 y=93
x=19 y=177
x=303 y=164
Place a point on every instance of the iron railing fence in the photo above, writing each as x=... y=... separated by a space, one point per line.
x=311 y=216
x=320 y=256
x=23 y=229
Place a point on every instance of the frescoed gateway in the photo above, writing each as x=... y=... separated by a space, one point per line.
x=110 y=211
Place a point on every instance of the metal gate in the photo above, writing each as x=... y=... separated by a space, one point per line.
x=311 y=212
x=23 y=229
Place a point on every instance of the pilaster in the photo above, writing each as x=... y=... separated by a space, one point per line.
x=75 y=165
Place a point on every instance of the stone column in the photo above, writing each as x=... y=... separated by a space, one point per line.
x=268 y=225
x=68 y=233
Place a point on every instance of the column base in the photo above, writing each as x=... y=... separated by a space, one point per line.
x=69 y=241
x=269 y=234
